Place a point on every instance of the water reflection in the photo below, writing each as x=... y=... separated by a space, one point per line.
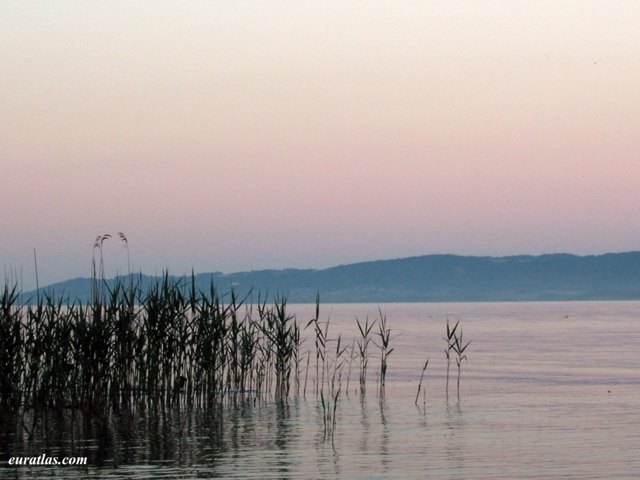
x=384 y=435
x=283 y=436
x=455 y=437
x=366 y=426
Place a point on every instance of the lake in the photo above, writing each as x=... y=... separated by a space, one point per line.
x=550 y=390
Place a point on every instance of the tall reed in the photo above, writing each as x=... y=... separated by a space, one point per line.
x=384 y=337
x=321 y=339
x=450 y=339
x=363 y=350
x=170 y=343
x=459 y=348
x=283 y=336
x=11 y=347
x=334 y=368
x=426 y=364
x=329 y=369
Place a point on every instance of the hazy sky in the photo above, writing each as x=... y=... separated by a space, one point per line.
x=231 y=135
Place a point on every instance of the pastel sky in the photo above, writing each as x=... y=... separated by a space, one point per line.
x=242 y=135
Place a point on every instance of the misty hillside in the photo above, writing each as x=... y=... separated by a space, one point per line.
x=430 y=278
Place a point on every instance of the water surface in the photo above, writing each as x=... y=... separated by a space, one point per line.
x=550 y=390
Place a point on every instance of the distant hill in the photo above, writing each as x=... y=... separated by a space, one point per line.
x=429 y=278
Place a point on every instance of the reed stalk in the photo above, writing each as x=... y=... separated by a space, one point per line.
x=459 y=348
x=320 y=346
x=450 y=339
x=11 y=348
x=384 y=337
x=363 y=351
x=426 y=364
x=171 y=344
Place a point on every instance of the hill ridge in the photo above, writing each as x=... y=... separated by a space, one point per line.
x=425 y=278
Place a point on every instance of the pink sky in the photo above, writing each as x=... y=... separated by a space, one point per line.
x=246 y=135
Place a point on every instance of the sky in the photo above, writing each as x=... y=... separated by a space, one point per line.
x=243 y=135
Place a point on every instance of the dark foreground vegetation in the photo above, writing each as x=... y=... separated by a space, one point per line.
x=174 y=345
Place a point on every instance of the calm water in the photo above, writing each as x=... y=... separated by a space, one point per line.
x=551 y=390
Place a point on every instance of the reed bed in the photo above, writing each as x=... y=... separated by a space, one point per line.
x=176 y=345
x=173 y=344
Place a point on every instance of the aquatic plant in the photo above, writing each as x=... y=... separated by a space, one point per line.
x=11 y=347
x=172 y=344
x=283 y=336
x=450 y=339
x=320 y=344
x=459 y=347
x=125 y=243
x=384 y=336
x=352 y=354
x=363 y=351
x=97 y=268
x=334 y=368
x=426 y=364
x=329 y=370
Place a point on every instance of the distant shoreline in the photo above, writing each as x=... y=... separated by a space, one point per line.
x=429 y=278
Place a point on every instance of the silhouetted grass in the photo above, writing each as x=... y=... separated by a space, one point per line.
x=176 y=345
x=171 y=344
x=384 y=337
x=459 y=347
x=450 y=339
